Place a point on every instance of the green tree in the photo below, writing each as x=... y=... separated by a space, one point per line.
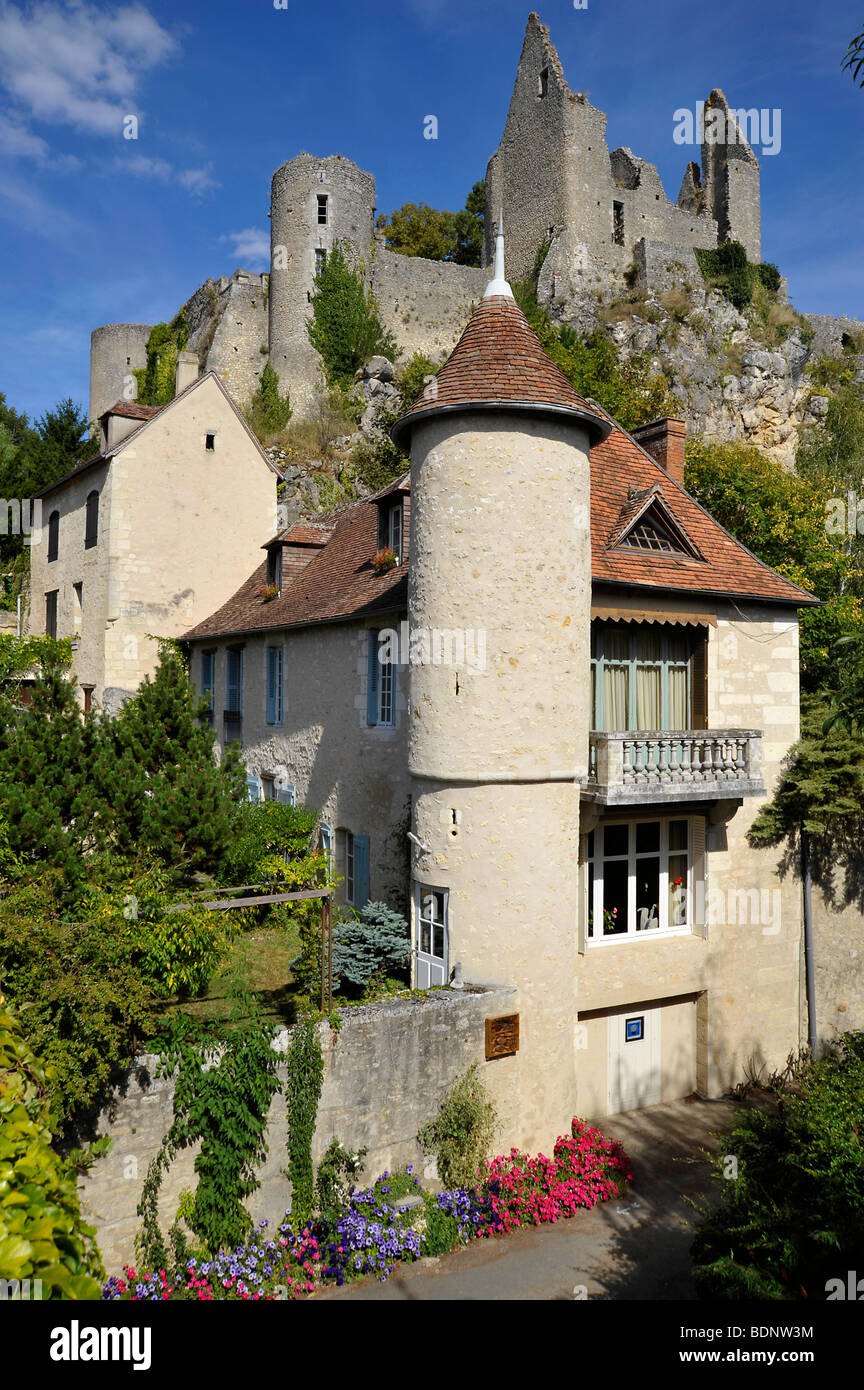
x=156 y=381
x=33 y=458
x=45 y=751
x=781 y=517
x=416 y=229
x=158 y=776
x=854 y=60
x=345 y=328
x=269 y=412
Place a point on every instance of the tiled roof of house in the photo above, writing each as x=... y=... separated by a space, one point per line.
x=499 y=359
x=619 y=463
x=339 y=583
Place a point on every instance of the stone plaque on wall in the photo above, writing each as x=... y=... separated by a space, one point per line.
x=502 y=1036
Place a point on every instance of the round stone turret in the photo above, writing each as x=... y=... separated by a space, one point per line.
x=315 y=203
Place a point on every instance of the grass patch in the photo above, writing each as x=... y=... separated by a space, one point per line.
x=264 y=954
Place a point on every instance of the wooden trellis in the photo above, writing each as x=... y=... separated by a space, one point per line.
x=326 y=896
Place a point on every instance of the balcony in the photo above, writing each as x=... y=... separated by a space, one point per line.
x=656 y=767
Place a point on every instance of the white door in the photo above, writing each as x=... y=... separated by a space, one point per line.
x=431 y=941
x=633 y=1060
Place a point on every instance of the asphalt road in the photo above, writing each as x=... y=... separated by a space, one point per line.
x=633 y=1248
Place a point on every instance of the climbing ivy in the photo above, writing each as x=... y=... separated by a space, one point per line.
x=156 y=380
x=221 y=1098
x=303 y=1092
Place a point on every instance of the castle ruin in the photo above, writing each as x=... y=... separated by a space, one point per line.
x=603 y=215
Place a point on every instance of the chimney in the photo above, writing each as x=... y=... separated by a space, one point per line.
x=664 y=440
x=187 y=371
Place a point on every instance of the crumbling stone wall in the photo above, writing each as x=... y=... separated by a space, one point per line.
x=425 y=304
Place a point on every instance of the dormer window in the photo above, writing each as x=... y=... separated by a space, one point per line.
x=393 y=537
x=274 y=566
x=650 y=535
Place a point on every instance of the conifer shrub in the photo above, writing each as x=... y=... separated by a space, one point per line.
x=345 y=327
x=269 y=411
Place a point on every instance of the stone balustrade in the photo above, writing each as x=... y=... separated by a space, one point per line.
x=658 y=765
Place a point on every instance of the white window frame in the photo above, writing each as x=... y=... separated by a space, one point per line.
x=394 y=530
x=594 y=934
x=326 y=842
x=386 y=694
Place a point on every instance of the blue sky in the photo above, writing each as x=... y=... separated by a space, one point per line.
x=98 y=229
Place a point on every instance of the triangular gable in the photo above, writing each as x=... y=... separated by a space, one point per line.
x=647 y=524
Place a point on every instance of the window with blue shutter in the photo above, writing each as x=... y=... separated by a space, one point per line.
x=274 y=685
x=253 y=789
x=208 y=678
x=361 y=870
x=373 y=680
x=234 y=681
x=287 y=795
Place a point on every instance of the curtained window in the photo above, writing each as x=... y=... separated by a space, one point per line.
x=641 y=676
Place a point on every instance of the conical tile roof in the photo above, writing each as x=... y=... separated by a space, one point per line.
x=499 y=361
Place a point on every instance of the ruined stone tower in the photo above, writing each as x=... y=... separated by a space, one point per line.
x=314 y=203
x=500 y=544
x=116 y=349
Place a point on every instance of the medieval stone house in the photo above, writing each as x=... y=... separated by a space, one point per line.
x=150 y=534
x=547 y=727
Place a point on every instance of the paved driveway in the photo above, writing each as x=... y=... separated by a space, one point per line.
x=634 y=1248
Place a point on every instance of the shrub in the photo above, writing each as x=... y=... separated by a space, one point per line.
x=156 y=381
x=337 y=1165
x=462 y=1131
x=367 y=946
x=793 y=1217
x=269 y=412
x=305 y=1066
x=42 y=1236
x=345 y=328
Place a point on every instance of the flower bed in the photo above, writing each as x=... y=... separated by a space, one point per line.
x=380 y=1226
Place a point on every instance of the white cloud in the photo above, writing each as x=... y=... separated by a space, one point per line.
x=79 y=65
x=251 y=246
x=197 y=182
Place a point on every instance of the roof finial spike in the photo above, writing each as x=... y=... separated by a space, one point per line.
x=498 y=284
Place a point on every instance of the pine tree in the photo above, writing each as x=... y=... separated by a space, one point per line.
x=171 y=797
x=45 y=750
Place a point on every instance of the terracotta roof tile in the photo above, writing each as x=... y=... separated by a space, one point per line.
x=499 y=358
x=133 y=411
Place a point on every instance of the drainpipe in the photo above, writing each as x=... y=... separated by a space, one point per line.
x=808 y=942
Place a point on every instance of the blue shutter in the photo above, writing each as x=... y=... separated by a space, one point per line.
x=272 y=687
x=372 y=682
x=253 y=789
x=361 y=870
x=287 y=796
x=279 y=665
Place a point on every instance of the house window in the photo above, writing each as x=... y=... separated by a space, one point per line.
x=326 y=843
x=210 y=442
x=274 y=685
x=639 y=877
x=77 y=606
x=87 y=692
x=640 y=676
x=618 y=223
x=208 y=681
x=234 y=694
x=274 y=566
x=320 y=260
x=356 y=869
x=322 y=209
x=543 y=83
x=91 y=523
x=268 y=785
x=650 y=535
x=380 y=686
x=431 y=944
x=394 y=530
x=53 y=535
x=51 y=613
